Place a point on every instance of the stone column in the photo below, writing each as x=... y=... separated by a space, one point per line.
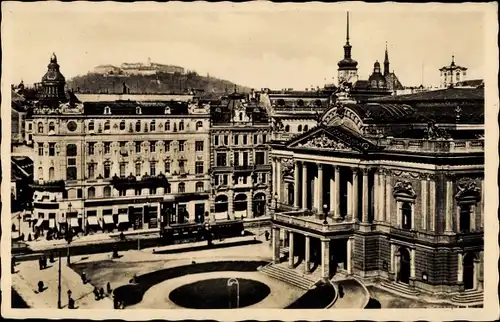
x=393 y=264
x=432 y=204
x=276 y=245
x=274 y=176
x=388 y=198
x=325 y=259
x=381 y=195
x=333 y=191
x=250 y=204
x=424 y=205
x=307 y=255
x=350 y=242
x=448 y=228
x=472 y=217
x=230 y=203
x=290 y=250
x=336 y=211
x=412 y=263
x=296 y=186
x=365 y=199
x=319 y=188
x=460 y=268
x=305 y=185
x=481 y=210
x=278 y=180
x=376 y=189
x=355 y=197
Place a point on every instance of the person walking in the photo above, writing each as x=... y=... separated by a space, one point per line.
x=96 y=294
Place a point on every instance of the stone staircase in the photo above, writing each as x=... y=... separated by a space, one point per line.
x=288 y=275
x=400 y=288
x=472 y=297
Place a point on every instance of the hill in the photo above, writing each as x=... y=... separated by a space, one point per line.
x=152 y=84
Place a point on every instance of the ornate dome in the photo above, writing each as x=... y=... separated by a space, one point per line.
x=53 y=74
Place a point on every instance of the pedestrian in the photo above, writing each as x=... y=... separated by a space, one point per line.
x=71 y=303
x=84 y=278
x=101 y=293
x=51 y=256
x=122 y=236
x=96 y=294
x=108 y=288
x=44 y=261
x=267 y=235
x=116 y=303
x=40 y=262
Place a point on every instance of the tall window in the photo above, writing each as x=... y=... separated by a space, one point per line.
x=245 y=158
x=40 y=149
x=406 y=213
x=167 y=126
x=91 y=126
x=71 y=172
x=199 y=125
x=199 y=167
x=152 y=126
x=91 y=192
x=299 y=128
x=221 y=159
x=465 y=214
x=236 y=157
x=152 y=168
x=138 y=126
x=260 y=157
x=245 y=140
x=264 y=138
x=182 y=169
x=255 y=138
x=91 y=171
x=122 y=125
x=107 y=147
x=287 y=128
x=30 y=126
x=107 y=191
x=122 y=169
x=167 y=166
x=168 y=189
x=152 y=146
x=199 y=187
x=137 y=147
x=40 y=173
x=40 y=127
x=107 y=126
x=182 y=187
x=199 y=146
x=137 y=169
x=181 y=146
x=51 y=173
x=52 y=127
x=181 y=126
x=107 y=170
x=216 y=140
x=91 y=148
x=236 y=137
x=152 y=191
x=167 y=146
x=305 y=128
x=226 y=140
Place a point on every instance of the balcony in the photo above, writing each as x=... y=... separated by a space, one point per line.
x=145 y=182
x=243 y=168
x=52 y=186
x=433 y=146
x=298 y=219
x=465 y=239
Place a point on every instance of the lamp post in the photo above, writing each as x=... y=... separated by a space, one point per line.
x=325 y=207
x=59 y=306
x=231 y=282
x=69 y=238
x=19 y=221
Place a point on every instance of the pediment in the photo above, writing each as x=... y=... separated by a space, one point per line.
x=320 y=139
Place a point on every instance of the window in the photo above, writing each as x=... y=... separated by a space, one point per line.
x=138 y=126
x=137 y=169
x=221 y=159
x=91 y=192
x=167 y=126
x=107 y=147
x=181 y=126
x=199 y=187
x=168 y=189
x=107 y=126
x=122 y=125
x=138 y=110
x=107 y=191
x=245 y=158
x=245 y=141
x=182 y=170
x=199 y=167
x=224 y=179
x=40 y=149
x=226 y=140
x=152 y=168
x=91 y=148
x=122 y=169
x=71 y=172
x=406 y=213
x=122 y=192
x=236 y=158
x=152 y=126
x=137 y=147
x=264 y=138
x=299 y=129
x=241 y=116
x=40 y=127
x=465 y=215
x=255 y=138
x=236 y=137
x=216 y=140
x=152 y=191
x=71 y=150
x=91 y=126
x=107 y=170
x=152 y=146
x=264 y=178
x=167 y=146
x=40 y=173
x=52 y=127
x=30 y=126
x=216 y=180
x=51 y=173
x=260 y=158
x=137 y=192
x=305 y=128
x=182 y=187
x=198 y=146
x=167 y=166
x=287 y=128
x=107 y=110
x=199 y=125
x=244 y=179
x=181 y=146
x=91 y=170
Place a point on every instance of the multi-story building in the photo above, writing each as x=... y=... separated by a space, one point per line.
x=240 y=167
x=106 y=164
x=452 y=74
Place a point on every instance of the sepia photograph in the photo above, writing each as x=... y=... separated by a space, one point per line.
x=256 y=160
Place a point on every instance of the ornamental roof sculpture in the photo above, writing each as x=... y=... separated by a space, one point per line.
x=467 y=188
x=324 y=142
x=404 y=188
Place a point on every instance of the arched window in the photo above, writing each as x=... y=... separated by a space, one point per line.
x=318 y=103
x=306 y=128
x=281 y=102
x=51 y=173
x=91 y=126
x=287 y=128
x=182 y=187
x=40 y=127
x=91 y=192
x=152 y=126
x=138 y=110
x=199 y=125
x=199 y=187
x=465 y=214
x=299 y=129
x=221 y=203
x=406 y=212
x=167 y=126
x=122 y=125
x=52 y=126
x=107 y=191
x=181 y=126
x=107 y=126
x=138 y=126
x=240 y=202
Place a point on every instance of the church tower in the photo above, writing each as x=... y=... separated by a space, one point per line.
x=53 y=82
x=386 y=62
x=348 y=70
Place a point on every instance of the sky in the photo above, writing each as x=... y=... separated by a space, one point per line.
x=292 y=46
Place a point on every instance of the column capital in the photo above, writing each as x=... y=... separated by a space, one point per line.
x=382 y=171
x=355 y=170
x=365 y=171
x=304 y=164
x=320 y=166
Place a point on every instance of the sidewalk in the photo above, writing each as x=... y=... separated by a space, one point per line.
x=28 y=274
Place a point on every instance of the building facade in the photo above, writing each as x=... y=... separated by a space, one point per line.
x=392 y=190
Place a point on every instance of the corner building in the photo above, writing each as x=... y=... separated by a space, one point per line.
x=391 y=190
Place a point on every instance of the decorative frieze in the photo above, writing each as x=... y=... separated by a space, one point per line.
x=324 y=142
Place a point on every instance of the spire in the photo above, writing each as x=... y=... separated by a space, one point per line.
x=53 y=59
x=347 y=36
x=452 y=60
x=347 y=46
x=386 y=53
x=386 y=62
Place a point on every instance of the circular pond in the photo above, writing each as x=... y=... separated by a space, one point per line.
x=217 y=294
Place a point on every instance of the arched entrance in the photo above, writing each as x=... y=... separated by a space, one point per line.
x=240 y=205
x=468 y=270
x=259 y=204
x=404 y=265
x=221 y=207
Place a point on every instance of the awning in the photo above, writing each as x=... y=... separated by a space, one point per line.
x=122 y=218
x=39 y=222
x=74 y=222
x=52 y=223
x=108 y=220
x=92 y=221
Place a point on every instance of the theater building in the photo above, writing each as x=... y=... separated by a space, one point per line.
x=102 y=165
x=390 y=190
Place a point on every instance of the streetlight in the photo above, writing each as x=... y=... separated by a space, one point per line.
x=19 y=220
x=325 y=207
x=59 y=306
x=69 y=236
x=231 y=282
